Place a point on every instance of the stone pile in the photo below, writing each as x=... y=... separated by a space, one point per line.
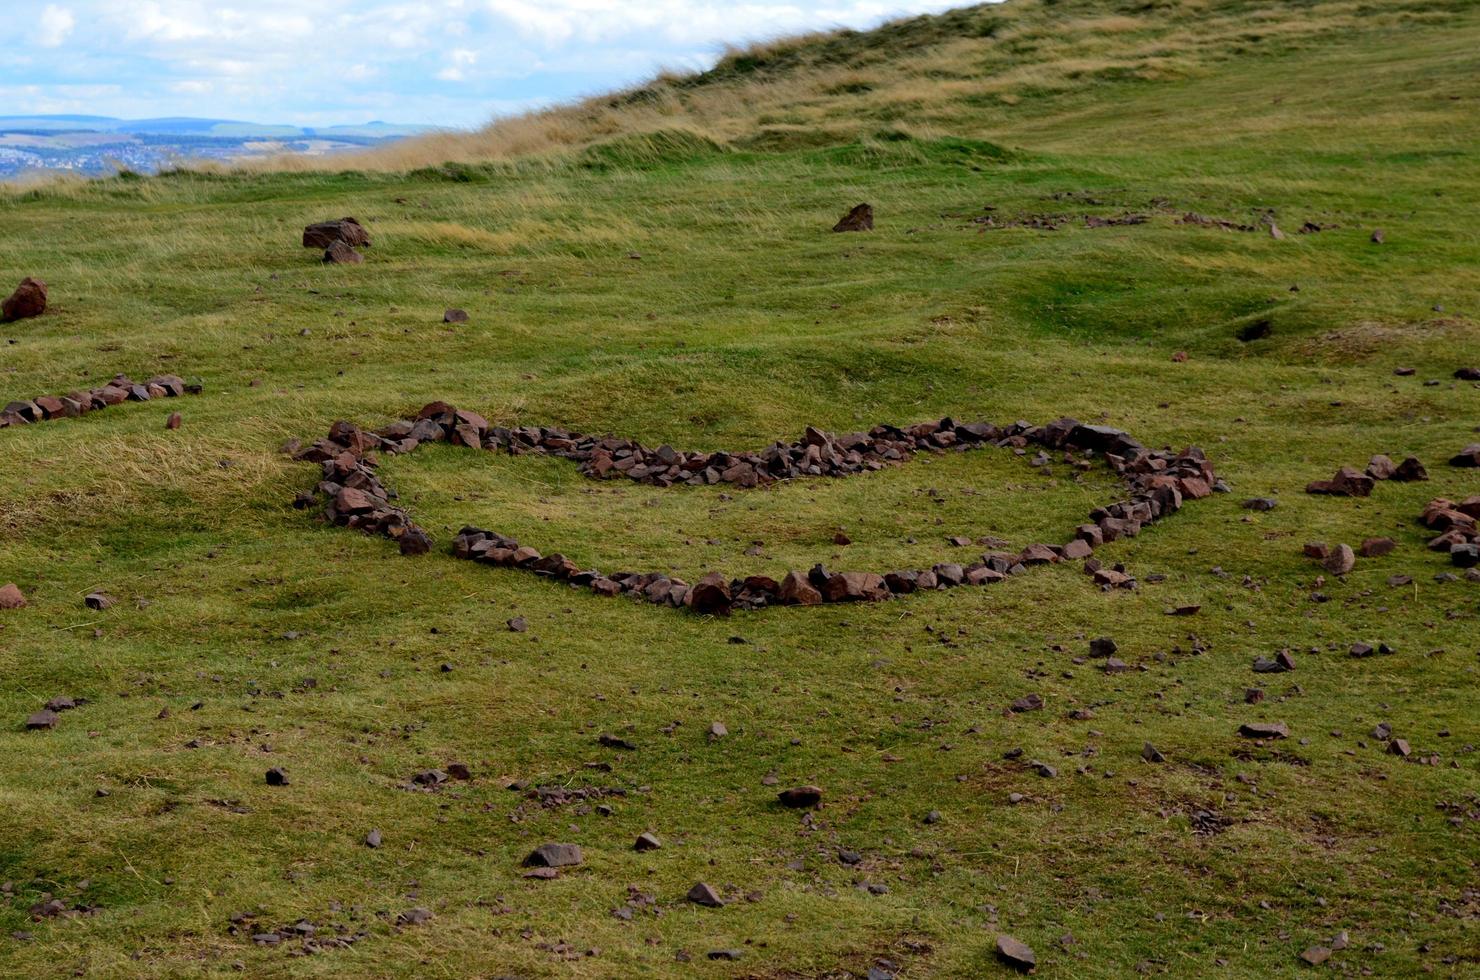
x=1456 y=523
x=1158 y=481
x=121 y=389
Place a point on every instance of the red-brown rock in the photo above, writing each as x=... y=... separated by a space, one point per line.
x=28 y=300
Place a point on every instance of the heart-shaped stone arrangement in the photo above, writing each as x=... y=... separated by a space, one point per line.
x=1157 y=482
x=44 y=408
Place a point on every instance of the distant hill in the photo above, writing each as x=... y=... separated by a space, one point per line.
x=1032 y=72
x=186 y=126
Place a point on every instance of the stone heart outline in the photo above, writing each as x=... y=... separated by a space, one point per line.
x=1158 y=482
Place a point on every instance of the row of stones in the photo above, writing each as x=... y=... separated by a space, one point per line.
x=76 y=403
x=1158 y=482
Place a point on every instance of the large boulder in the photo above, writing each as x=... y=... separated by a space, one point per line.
x=326 y=233
x=28 y=300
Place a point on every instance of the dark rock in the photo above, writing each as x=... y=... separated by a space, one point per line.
x=861 y=218
x=173 y=422
x=455 y=316
x=800 y=797
x=341 y=254
x=1411 y=470
x=277 y=777
x=646 y=842
x=1264 y=729
x=1028 y=702
x=1150 y=753
x=1102 y=647
x=1377 y=547
x=98 y=601
x=28 y=300
x=1016 y=954
x=43 y=719
x=345 y=231
x=796 y=590
x=554 y=856
x=703 y=894
x=1261 y=503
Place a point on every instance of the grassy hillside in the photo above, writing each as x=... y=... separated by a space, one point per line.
x=662 y=268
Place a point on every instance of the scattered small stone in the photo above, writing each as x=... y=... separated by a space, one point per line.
x=646 y=842
x=1150 y=753
x=98 y=601
x=518 y=624
x=372 y=839
x=277 y=777
x=1316 y=955
x=703 y=894
x=415 y=917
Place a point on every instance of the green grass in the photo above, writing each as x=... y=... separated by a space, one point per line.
x=742 y=321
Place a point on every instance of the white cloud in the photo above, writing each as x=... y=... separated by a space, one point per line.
x=460 y=60
x=450 y=62
x=53 y=26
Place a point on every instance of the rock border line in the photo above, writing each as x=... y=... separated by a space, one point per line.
x=1158 y=482
x=46 y=408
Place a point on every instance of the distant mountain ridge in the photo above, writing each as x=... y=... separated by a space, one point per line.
x=188 y=126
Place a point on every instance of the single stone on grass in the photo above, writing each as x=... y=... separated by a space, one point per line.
x=277 y=777
x=1316 y=955
x=28 y=300
x=702 y=894
x=518 y=624
x=1264 y=729
x=1102 y=647
x=800 y=797
x=455 y=316
x=1377 y=547
x=1341 y=560
x=1016 y=954
x=173 y=422
x=646 y=842
x=1150 y=753
x=1261 y=503
x=341 y=254
x=554 y=856
x=861 y=218
x=98 y=601
x=717 y=730
x=326 y=233
x=1028 y=702
x=1399 y=746
x=43 y=719
x=11 y=597
x=415 y=917
x=372 y=839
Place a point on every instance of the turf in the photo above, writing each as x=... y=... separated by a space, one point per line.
x=685 y=289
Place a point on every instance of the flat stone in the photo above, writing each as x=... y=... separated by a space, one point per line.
x=1016 y=954
x=41 y=720
x=1264 y=729
x=554 y=856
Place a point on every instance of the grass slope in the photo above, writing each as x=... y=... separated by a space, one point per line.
x=684 y=288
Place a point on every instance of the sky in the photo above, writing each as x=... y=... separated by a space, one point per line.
x=453 y=63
